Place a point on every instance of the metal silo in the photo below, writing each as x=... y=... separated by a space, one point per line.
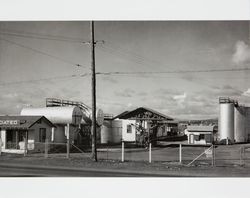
x=240 y=124
x=226 y=121
x=106 y=132
x=247 y=123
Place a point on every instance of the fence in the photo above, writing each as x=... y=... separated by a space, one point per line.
x=44 y=149
x=189 y=155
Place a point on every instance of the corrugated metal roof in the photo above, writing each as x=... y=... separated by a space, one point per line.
x=200 y=128
x=21 y=122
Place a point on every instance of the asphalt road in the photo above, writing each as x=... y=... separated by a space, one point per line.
x=47 y=172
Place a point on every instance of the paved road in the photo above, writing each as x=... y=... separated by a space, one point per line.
x=47 y=172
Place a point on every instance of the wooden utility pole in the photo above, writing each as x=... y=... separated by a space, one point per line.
x=93 y=127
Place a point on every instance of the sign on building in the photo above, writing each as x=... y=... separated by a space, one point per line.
x=9 y=122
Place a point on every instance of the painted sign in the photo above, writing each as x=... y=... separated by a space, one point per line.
x=209 y=153
x=9 y=122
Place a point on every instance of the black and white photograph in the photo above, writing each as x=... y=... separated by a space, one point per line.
x=169 y=98
x=108 y=100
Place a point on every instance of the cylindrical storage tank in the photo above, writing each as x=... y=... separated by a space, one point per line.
x=106 y=132
x=57 y=115
x=116 y=131
x=240 y=124
x=247 y=109
x=87 y=117
x=226 y=121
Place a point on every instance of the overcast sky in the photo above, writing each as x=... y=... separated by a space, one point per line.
x=33 y=51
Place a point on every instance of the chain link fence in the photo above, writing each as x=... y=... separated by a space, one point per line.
x=187 y=155
x=174 y=153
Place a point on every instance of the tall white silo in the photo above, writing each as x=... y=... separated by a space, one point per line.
x=240 y=124
x=247 y=123
x=226 y=121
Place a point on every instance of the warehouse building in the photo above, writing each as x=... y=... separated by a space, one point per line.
x=19 y=133
x=139 y=125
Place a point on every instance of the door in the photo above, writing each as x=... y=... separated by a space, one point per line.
x=191 y=138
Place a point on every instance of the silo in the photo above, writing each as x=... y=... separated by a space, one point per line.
x=106 y=132
x=226 y=121
x=247 y=123
x=116 y=131
x=240 y=124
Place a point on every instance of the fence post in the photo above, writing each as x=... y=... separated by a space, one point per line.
x=25 y=146
x=241 y=149
x=0 y=146
x=68 y=146
x=213 y=155
x=122 y=151
x=46 y=148
x=107 y=152
x=150 y=153
x=68 y=142
x=243 y=155
x=180 y=154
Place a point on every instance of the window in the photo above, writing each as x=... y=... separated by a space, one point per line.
x=202 y=136
x=42 y=135
x=129 y=128
x=196 y=137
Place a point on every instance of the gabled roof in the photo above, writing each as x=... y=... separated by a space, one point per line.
x=21 y=122
x=201 y=128
x=143 y=113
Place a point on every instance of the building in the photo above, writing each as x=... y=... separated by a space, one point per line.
x=139 y=125
x=18 y=131
x=83 y=134
x=67 y=120
x=200 y=134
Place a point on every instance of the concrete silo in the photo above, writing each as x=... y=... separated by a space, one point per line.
x=247 y=123
x=240 y=124
x=226 y=121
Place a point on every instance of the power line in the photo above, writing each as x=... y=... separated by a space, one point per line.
x=132 y=74
x=173 y=72
x=43 y=53
x=42 y=35
x=116 y=53
x=42 y=38
x=43 y=79
x=131 y=53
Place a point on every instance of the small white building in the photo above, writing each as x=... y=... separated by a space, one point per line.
x=200 y=134
x=137 y=126
x=114 y=131
x=16 y=131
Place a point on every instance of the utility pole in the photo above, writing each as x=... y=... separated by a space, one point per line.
x=93 y=126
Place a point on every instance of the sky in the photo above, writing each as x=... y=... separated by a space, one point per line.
x=39 y=60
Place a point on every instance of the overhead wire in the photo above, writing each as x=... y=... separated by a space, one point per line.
x=43 y=53
x=44 y=79
x=172 y=72
x=49 y=36
x=116 y=53
x=131 y=53
x=135 y=74
x=42 y=38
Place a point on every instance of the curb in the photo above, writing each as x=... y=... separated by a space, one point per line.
x=146 y=173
